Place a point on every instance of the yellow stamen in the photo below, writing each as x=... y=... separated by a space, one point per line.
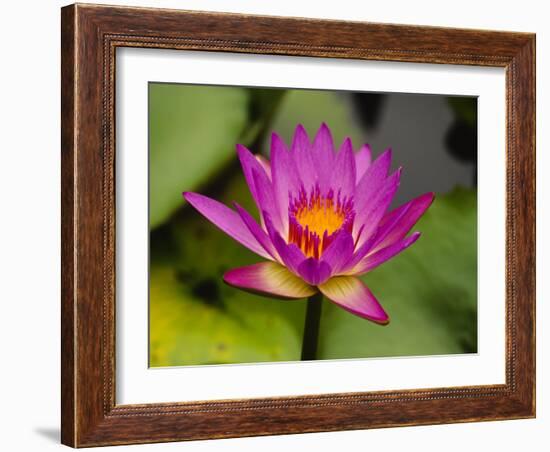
x=320 y=217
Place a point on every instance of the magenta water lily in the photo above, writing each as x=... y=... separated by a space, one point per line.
x=324 y=221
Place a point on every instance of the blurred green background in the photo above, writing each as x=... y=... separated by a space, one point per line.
x=429 y=291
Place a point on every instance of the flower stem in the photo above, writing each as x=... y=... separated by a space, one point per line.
x=311 y=327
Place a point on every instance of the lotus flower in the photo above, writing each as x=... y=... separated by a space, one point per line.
x=324 y=221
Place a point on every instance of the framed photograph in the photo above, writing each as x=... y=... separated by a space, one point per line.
x=282 y=225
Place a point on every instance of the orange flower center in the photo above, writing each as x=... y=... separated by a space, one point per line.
x=315 y=219
x=321 y=216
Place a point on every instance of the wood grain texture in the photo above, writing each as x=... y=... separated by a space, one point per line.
x=68 y=311
x=90 y=36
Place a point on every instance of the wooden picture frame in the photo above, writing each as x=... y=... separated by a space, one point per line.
x=90 y=36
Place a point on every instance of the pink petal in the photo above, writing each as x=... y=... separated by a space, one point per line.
x=227 y=220
x=351 y=294
x=372 y=180
x=285 y=178
x=290 y=254
x=303 y=159
x=324 y=156
x=269 y=278
x=265 y=164
x=258 y=233
x=362 y=161
x=266 y=198
x=396 y=224
x=369 y=217
x=371 y=261
x=343 y=170
x=359 y=254
x=250 y=164
x=339 y=251
x=314 y=272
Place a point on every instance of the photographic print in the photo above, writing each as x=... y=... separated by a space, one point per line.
x=294 y=224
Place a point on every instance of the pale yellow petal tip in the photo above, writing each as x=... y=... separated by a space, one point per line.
x=269 y=279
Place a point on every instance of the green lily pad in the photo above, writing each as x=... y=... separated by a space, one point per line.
x=193 y=131
x=187 y=330
x=190 y=131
